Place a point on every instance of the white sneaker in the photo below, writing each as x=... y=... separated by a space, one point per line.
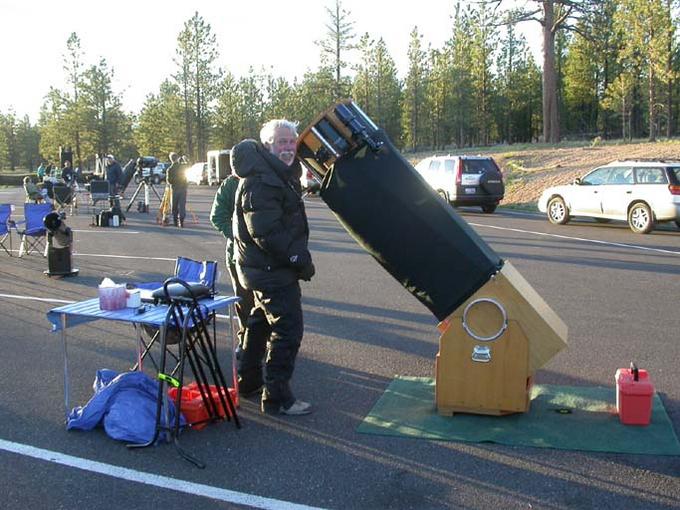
x=298 y=408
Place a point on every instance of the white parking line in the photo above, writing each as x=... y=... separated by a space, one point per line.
x=114 y=231
x=123 y=256
x=583 y=239
x=31 y=298
x=163 y=482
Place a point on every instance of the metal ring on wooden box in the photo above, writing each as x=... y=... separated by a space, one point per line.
x=489 y=338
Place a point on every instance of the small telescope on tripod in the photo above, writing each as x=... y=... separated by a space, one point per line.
x=144 y=184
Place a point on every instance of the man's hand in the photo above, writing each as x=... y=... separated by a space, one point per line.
x=306 y=272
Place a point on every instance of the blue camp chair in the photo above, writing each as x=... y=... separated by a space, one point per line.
x=34 y=234
x=194 y=271
x=191 y=271
x=5 y=225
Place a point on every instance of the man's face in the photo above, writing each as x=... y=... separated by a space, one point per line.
x=67 y=164
x=283 y=146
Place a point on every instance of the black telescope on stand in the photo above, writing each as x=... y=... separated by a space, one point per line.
x=496 y=331
x=59 y=245
x=144 y=184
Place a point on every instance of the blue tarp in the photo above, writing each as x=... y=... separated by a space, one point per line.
x=125 y=403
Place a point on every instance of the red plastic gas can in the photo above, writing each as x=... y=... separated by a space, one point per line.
x=634 y=392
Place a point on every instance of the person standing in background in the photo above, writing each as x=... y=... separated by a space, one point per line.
x=177 y=179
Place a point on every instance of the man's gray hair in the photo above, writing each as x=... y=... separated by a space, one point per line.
x=269 y=129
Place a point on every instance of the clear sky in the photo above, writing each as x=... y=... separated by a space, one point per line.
x=138 y=38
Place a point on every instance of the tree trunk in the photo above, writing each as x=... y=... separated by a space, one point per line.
x=551 y=128
x=652 y=104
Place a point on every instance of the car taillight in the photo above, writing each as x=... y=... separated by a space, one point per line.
x=459 y=172
x=675 y=190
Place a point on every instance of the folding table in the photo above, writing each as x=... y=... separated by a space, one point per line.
x=156 y=315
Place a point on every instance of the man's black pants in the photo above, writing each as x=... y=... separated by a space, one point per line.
x=179 y=204
x=274 y=331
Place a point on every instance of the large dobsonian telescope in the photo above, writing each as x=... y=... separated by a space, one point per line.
x=496 y=331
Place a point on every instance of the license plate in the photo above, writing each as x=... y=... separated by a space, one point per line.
x=470 y=191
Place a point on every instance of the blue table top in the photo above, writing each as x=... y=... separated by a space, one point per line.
x=88 y=311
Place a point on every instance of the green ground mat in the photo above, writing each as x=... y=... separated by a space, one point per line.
x=407 y=409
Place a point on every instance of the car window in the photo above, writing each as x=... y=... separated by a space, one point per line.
x=649 y=175
x=598 y=176
x=434 y=165
x=450 y=165
x=674 y=174
x=478 y=166
x=620 y=175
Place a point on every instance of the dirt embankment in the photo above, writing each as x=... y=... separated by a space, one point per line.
x=528 y=169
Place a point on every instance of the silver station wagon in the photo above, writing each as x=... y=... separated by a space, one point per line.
x=643 y=193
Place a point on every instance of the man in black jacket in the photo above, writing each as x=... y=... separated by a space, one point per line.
x=177 y=179
x=271 y=233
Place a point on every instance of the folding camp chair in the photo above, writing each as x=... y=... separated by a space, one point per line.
x=100 y=191
x=5 y=225
x=190 y=271
x=64 y=197
x=33 y=236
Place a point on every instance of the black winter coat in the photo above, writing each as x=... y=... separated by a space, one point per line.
x=269 y=224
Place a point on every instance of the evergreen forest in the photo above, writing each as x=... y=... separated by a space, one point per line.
x=610 y=69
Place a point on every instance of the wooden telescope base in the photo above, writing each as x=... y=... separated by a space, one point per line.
x=492 y=345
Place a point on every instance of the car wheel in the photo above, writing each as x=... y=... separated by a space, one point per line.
x=640 y=218
x=557 y=211
x=156 y=179
x=489 y=208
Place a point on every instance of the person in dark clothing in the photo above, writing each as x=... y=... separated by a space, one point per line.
x=114 y=174
x=271 y=235
x=67 y=174
x=221 y=218
x=177 y=179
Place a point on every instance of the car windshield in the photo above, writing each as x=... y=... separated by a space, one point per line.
x=478 y=166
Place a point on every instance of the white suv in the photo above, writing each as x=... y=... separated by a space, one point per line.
x=641 y=192
x=464 y=180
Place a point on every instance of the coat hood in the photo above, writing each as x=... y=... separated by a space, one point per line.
x=250 y=157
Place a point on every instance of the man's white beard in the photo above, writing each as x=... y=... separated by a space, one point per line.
x=287 y=157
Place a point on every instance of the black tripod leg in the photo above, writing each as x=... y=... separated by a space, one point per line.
x=210 y=355
x=156 y=193
x=175 y=428
x=134 y=195
x=159 y=400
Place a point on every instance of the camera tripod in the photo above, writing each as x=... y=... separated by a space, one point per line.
x=145 y=184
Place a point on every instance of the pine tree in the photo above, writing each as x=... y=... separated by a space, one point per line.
x=107 y=127
x=484 y=40
x=338 y=41
x=73 y=67
x=160 y=124
x=198 y=80
x=412 y=116
x=644 y=25
x=461 y=110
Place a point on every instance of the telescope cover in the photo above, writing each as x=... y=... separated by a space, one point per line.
x=400 y=220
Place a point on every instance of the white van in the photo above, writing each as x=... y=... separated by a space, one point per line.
x=219 y=166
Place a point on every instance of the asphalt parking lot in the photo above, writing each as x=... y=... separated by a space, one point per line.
x=361 y=328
